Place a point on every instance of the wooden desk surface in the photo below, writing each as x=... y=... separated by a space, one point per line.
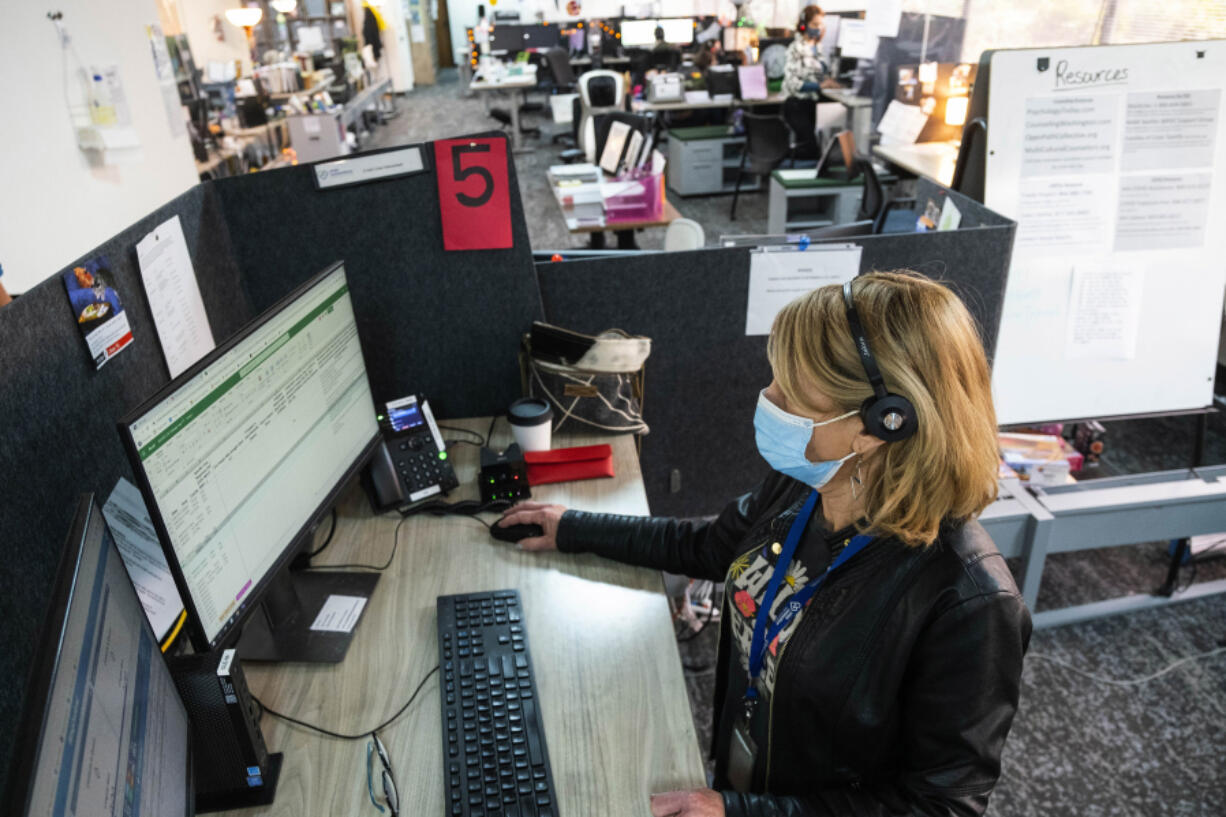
x=612 y=697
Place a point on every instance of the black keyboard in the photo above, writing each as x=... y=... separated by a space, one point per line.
x=494 y=755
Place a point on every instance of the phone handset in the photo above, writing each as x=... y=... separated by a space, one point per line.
x=411 y=467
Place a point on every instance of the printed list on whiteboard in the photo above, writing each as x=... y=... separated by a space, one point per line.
x=174 y=296
x=1104 y=313
x=778 y=277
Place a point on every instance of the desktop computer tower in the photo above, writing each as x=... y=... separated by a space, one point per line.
x=233 y=768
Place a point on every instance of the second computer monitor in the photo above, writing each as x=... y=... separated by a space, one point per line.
x=242 y=454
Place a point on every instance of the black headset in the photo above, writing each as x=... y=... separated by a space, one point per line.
x=886 y=415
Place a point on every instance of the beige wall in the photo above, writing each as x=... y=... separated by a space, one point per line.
x=54 y=206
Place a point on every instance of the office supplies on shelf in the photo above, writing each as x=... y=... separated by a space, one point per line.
x=494 y=751
x=71 y=732
x=280 y=416
x=569 y=464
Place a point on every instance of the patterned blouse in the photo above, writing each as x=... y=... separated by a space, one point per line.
x=804 y=64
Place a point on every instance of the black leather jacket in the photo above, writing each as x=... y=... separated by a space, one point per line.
x=896 y=690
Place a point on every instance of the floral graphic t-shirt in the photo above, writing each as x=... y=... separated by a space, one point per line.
x=751 y=573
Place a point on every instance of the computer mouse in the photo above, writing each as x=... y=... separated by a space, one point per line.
x=513 y=533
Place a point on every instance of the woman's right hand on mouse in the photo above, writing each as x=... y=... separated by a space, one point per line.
x=535 y=513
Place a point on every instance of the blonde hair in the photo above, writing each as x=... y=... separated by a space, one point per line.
x=929 y=351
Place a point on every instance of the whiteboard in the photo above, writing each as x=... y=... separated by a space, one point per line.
x=1112 y=160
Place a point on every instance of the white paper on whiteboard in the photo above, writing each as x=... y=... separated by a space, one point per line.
x=174 y=296
x=128 y=519
x=778 y=277
x=1104 y=312
x=339 y=614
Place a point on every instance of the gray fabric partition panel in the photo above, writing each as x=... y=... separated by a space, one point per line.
x=446 y=324
x=703 y=375
x=60 y=436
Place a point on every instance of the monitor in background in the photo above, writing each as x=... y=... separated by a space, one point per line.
x=507 y=37
x=103 y=731
x=638 y=33
x=855 y=40
x=541 y=37
x=677 y=30
x=241 y=456
x=830 y=39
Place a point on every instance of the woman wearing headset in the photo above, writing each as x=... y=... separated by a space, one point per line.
x=872 y=637
x=804 y=75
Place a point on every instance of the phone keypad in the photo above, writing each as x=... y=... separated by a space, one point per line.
x=421 y=464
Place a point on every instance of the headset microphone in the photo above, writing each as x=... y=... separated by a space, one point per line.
x=886 y=415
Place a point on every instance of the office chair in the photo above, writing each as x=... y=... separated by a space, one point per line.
x=600 y=92
x=872 y=201
x=684 y=234
x=801 y=118
x=767 y=144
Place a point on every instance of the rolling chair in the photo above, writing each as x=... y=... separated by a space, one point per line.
x=600 y=92
x=565 y=82
x=684 y=234
x=767 y=144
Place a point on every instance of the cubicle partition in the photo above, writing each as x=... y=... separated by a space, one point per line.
x=704 y=371
x=446 y=324
x=443 y=323
x=59 y=413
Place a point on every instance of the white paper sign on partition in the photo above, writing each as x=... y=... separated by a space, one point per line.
x=1112 y=159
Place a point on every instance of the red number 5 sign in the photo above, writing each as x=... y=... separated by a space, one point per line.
x=473 y=193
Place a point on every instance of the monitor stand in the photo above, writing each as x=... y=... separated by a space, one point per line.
x=279 y=629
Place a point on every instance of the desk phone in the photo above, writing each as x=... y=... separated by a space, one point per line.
x=411 y=467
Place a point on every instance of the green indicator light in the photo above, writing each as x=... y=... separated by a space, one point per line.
x=379 y=417
x=442 y=455
x=491 y=480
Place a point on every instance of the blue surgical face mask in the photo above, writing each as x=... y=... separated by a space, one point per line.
x=782 y=439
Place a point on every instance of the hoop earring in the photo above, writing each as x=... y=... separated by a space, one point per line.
x=857 y=479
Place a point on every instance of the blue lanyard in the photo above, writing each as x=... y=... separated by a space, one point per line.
x=761 y=636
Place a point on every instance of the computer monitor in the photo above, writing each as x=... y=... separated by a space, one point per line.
x=638 y=33
x=240 y=456
x=739 y=39
x=855 y=39
x=830 y=39
x=102 y=731
x=677 y=30
x=508 y=37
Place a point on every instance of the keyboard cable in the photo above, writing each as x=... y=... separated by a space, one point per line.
x=341 y=735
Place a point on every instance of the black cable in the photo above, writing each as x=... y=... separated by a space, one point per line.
x=378 y=568
x=477 y=434
x=339 y=735
x=489 y=435
x=1191 y=578
x=327 y=541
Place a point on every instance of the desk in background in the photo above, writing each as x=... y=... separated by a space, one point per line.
x=933 y=160
x=587 y=214
x=859 y=113
x=514 y=85
x=613 y=702
x=640 y=105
